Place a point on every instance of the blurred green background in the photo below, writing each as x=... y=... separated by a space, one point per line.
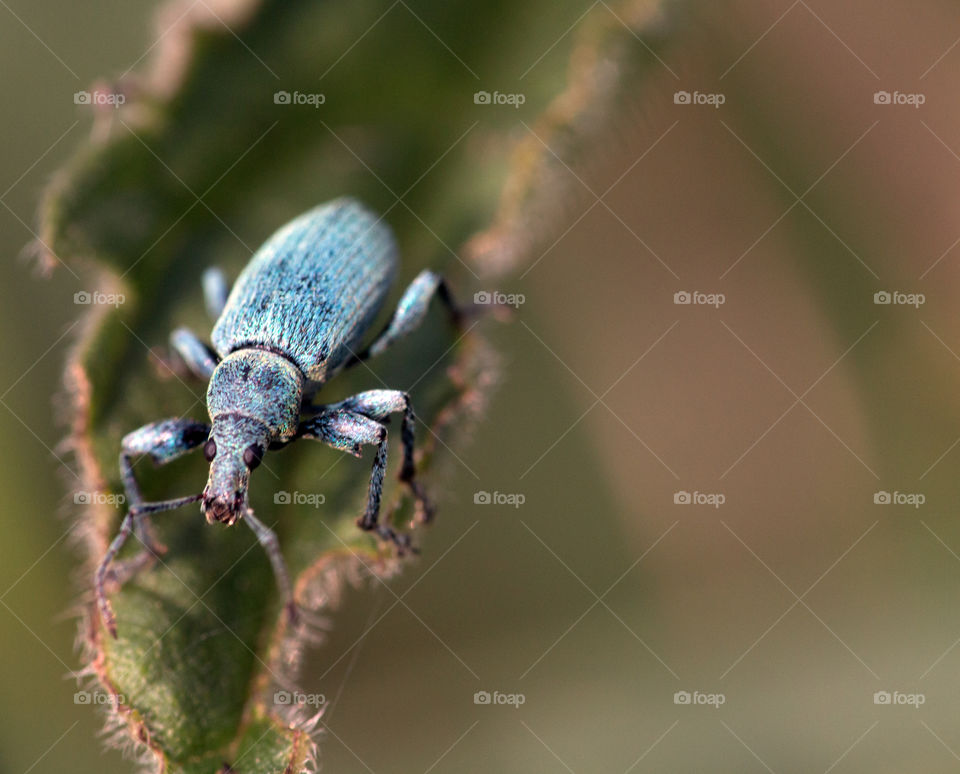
x=798 y=399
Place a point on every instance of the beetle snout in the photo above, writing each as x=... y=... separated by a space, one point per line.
x=221 y=509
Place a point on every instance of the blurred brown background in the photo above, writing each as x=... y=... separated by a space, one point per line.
x=798 y=399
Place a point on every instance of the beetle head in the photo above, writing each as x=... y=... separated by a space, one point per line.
x=234 y=448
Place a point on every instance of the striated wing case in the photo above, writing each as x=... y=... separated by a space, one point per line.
x=313 y=289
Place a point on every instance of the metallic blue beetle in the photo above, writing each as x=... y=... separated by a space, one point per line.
x=295 y=317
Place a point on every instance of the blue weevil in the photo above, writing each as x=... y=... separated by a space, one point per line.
x=295 y=317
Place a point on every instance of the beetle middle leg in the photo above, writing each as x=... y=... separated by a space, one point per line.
x=410 y=312
x=348 y=431
x=199 y=358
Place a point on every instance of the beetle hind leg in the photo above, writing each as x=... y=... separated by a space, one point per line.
x=215 y=291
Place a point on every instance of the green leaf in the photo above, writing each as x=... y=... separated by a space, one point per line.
x=196 y=167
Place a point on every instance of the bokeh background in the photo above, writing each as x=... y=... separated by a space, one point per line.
x=798 y=400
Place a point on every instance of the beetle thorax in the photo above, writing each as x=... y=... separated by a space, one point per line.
x=260 y=385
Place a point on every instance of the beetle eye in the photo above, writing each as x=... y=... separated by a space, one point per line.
x=210 y=450
x=252 y=455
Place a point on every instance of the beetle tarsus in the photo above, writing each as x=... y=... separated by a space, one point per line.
x=400 y=540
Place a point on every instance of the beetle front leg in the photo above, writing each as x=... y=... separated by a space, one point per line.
x=378 y=405
x=348 y=431
x=268 y=539
x=134 y=515
x=162 y=441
